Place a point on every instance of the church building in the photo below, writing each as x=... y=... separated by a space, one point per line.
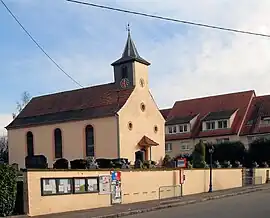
x=112 y=120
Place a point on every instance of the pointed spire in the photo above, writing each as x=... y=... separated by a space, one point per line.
x=130 y=52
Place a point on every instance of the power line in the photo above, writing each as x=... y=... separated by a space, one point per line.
x=168 y=19
x=39 y=46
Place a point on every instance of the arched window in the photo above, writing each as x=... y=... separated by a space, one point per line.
x=89 y=139
x=58 y=143
x=30 y=144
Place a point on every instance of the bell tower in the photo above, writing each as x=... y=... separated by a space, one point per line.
x=124 y=68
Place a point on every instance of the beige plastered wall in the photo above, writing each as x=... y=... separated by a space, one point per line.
x=143 y=122
x=197 y=181
x=136 y=186
x=261 y=172
x=73 y=140
x=38 y=205
x=176 y=144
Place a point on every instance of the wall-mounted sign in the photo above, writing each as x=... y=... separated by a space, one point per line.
x=104 y=184
x=116 y=193
x=181 y=162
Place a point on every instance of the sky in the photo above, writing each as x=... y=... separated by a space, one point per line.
x=186 y=61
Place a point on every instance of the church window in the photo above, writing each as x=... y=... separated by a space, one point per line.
x=30 y=143
x=58 y=143
x=89 y=139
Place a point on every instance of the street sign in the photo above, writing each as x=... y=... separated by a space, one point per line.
x=181 y=162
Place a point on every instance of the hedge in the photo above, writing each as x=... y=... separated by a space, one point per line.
x=8 y=189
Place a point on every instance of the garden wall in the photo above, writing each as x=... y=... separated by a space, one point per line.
x=136 y=186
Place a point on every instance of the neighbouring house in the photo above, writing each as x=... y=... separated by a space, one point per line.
x=213 y=119
x=257 y=122
x=105 y=121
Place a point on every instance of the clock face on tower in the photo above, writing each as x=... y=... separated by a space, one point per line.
x=124 y=83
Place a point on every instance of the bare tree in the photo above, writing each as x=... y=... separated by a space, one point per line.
x=25 y=98
x=3 y=149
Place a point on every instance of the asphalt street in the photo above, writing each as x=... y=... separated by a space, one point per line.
x=254 y=205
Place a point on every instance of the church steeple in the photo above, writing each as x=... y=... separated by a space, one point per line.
x=130 y=53
x=130 y=67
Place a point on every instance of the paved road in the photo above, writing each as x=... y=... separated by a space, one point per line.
x=254 y=205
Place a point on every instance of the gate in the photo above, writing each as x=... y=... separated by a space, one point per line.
x=249 y=178
x=19 y=204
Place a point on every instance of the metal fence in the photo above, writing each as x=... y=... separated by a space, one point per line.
x=170 y=191
x=251 y=181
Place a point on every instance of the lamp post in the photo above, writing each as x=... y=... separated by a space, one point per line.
x=211 y=151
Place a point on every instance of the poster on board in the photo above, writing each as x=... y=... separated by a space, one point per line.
x=104 y=184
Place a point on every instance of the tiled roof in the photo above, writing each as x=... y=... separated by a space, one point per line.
x=180 y=120
x=260 y=107
x=203 y=106
x=165 y=112
x=87 y=103
x=145 y=141
x=219 y=115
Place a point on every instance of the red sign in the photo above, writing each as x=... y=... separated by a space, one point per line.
x=181 y=162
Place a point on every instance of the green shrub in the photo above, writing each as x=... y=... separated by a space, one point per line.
x=8 y=189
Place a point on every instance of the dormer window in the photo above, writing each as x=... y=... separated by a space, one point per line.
x=222 y=124
x=181 y=128
x=210 y=125
x=265 y=121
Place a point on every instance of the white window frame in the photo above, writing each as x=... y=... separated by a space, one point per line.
x=185 y=147
x=180 y=128
x=266 y=121
x=168 y=145
x=222 y=124
x=222 y=140
x=212 y=125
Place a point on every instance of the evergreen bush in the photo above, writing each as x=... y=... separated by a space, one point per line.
x=8 y=189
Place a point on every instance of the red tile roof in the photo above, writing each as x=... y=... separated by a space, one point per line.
x=145 y=141
x=92 y=102
x=165 y=112
x=203 y=106
x=260 y=107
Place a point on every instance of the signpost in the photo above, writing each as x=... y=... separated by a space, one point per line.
x=181 y=163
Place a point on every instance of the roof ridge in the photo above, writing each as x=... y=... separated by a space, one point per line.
x=215 y=96
x=73 y=90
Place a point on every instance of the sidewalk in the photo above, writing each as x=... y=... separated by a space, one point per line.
x=142 y=207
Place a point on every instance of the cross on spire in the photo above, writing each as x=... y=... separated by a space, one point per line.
x=128 y=28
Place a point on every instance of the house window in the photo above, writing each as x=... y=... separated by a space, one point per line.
x=30 y=143
x=210 y=125
x=174 y=129
x=124 y=72
x=222 y=124
x=89 y=138
x=184 y=147
x=58 y=143
x=170 y=130
x=183 y=128
x=168 y=147
x=223 y=140
x=265 y=121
